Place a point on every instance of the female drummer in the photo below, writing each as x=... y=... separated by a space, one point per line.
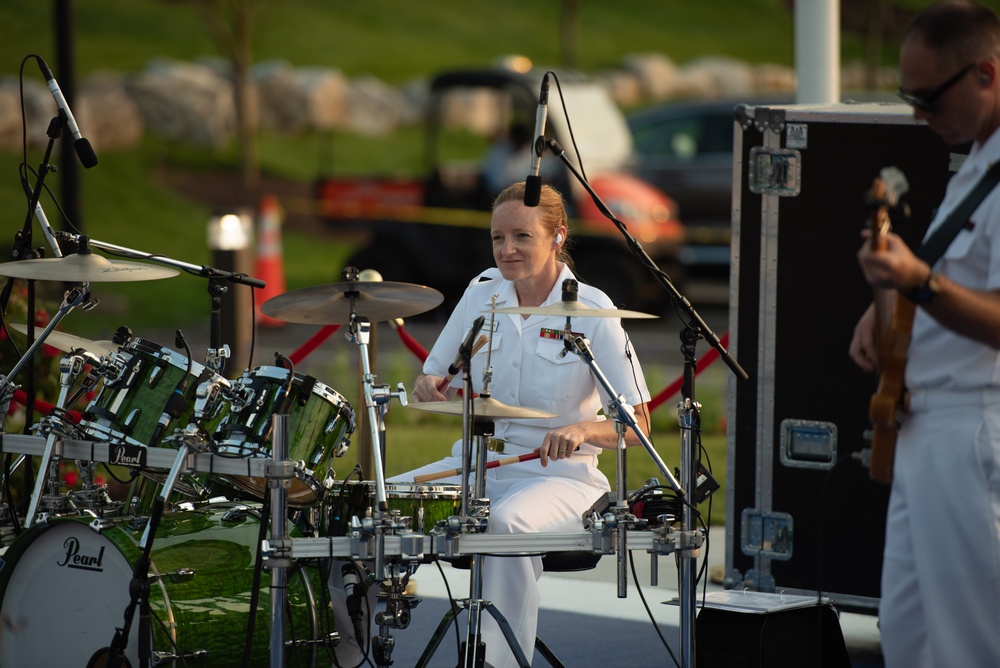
x=530 y=369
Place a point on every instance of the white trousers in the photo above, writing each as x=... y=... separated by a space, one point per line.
x=940 y=601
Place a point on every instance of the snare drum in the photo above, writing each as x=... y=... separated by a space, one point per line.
x=65 y=587
x=424 y=505
x=320 y=423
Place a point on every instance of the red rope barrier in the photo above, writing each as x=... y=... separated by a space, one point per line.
x=21 y=397
x=313 y=343
x=700 y=366
x=412 y=344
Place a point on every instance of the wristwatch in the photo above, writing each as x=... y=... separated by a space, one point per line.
x=925 y=293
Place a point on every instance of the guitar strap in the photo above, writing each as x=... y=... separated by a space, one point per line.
x=932 y=249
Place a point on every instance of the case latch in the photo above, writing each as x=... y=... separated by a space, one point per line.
x=768 y=535
x=775 y=171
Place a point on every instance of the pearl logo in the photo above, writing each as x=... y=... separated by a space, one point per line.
x=82 y=561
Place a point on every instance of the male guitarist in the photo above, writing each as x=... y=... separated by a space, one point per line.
x=940 y=600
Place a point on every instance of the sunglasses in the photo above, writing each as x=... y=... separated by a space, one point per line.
x=926 y=102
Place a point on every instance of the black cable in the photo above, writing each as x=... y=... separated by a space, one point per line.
x=454 y=609
x=649 y=612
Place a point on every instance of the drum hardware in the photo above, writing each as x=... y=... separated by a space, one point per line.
x=92 y=496
x=695 y=329
x=74 y=297
x=279 y=558
x=53 y=427
x=396 y=615
x=180 y=575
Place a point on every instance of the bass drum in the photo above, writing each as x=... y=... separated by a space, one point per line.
x=65 y=587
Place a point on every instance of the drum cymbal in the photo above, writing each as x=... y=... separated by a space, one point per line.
x=69 y=342
x=331 y=305
x=487 y=407
x=84 y=268
x=571 y=309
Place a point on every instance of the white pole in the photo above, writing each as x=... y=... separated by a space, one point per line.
x=817 y=51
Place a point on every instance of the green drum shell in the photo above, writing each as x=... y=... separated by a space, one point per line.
x=319 y=421
x=425 y=505
x=127 y=409
x=208 y=612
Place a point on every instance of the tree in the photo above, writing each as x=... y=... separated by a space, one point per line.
x=230 y=23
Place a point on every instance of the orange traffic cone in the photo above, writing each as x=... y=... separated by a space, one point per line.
x=270 y=265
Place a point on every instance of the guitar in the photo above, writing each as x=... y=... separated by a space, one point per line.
x=893 y=324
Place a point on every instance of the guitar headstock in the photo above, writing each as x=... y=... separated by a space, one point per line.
x=883 y=197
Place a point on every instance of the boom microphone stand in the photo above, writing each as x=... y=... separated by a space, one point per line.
x=696 y=328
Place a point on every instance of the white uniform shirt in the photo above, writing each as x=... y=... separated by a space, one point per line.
x=527 y=367
x=939 y=358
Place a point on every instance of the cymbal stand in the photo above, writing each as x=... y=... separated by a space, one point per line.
x=681 y=304
x=76 y=296
x=690 y=539
x=475 y=651
x=69 y=368
x=278 y=551
x=377 y=399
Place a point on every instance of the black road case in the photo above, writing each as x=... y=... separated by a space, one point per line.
x=802 y=515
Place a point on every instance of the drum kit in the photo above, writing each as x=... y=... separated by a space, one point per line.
x=137 y=582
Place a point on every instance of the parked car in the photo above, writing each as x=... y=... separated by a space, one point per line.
x=686 y=149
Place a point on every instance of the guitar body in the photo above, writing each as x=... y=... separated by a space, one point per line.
x=893 y=325
x=894 y=340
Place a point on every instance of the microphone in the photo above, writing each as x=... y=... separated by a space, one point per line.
x=82 y=146
x=355 y=593
x=533 y=184
x=177 y=401
x=465 y=349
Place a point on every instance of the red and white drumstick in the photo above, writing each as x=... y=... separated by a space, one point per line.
x=428 y=477
x=480 y=342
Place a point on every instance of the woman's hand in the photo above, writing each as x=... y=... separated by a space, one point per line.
x=561 y=443
x=425 y=389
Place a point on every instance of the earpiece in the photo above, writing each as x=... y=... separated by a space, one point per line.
x=558 y=239
x=985 y=78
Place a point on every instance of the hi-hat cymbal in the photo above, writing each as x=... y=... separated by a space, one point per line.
x=571 y=309
x=487 y=407
x=84 y=268
x=331 y=304
x=69 y=342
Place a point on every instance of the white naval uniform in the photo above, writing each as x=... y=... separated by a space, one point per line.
x=940 y=600
x=529 y=371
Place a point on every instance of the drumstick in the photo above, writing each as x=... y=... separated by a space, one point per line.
x=427 y=477
x=480 y=342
